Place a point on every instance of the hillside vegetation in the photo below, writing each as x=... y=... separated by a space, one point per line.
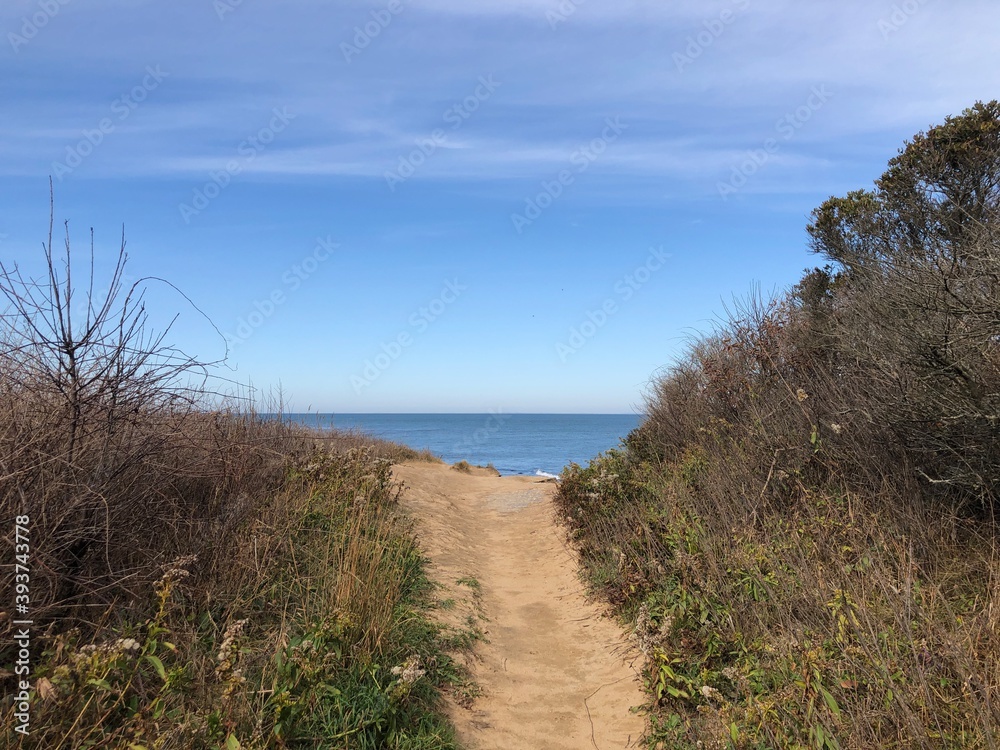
x=802 y=533
x=200 y=577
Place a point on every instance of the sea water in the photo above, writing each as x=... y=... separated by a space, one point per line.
x=514 y=443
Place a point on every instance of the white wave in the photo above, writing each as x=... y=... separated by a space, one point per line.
x=540 y=473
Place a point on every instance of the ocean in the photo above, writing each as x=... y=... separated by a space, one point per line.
x=513 y=443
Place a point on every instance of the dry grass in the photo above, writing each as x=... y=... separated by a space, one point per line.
x=201 y=576
x=802 y=531
x=289 y=634
x=345 y=439
x=824 y=619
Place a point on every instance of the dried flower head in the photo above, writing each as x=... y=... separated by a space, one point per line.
x=410 y=671
x=646 y=634
x=173 y=572
x=226 y=658
x=710 y=693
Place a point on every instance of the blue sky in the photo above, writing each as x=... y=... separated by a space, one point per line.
x=517 y=205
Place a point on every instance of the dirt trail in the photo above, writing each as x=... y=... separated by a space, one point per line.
x=555 y=673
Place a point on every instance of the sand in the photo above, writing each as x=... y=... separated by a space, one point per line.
x=554 y=670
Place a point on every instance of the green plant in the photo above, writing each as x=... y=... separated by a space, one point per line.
x=296 y=611
x=801 y=531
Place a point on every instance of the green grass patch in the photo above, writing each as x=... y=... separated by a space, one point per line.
x=320 y=639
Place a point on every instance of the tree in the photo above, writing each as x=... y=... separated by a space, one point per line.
x=918 y=298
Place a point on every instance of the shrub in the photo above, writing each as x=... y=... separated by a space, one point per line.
x=201 y=576
x=801 y=531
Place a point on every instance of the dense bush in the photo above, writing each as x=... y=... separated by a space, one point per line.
x=802 y=529
x=200 y=576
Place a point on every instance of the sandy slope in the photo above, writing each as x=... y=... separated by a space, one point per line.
x=555 y=672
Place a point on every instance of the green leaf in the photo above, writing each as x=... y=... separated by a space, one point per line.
x=232 y=743
x=734 y=733
x=157 y=665
x=102 y=684
x=831 y=702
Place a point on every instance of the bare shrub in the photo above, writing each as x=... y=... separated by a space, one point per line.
x=201 y=575
x=104 y=440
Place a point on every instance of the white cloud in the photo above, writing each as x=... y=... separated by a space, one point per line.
x=607 y=59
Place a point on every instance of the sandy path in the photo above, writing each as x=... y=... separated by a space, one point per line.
x=555 y=673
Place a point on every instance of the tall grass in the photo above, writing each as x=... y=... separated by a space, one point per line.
x=200 y=576
x=802 y=532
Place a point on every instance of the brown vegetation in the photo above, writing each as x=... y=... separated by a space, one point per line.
x=803 y=529
x=200 y=575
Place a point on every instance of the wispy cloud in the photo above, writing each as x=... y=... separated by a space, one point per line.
x=355 y=119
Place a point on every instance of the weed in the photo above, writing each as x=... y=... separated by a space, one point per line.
x=801 y=533
x=295 y=611
x=472 y=583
